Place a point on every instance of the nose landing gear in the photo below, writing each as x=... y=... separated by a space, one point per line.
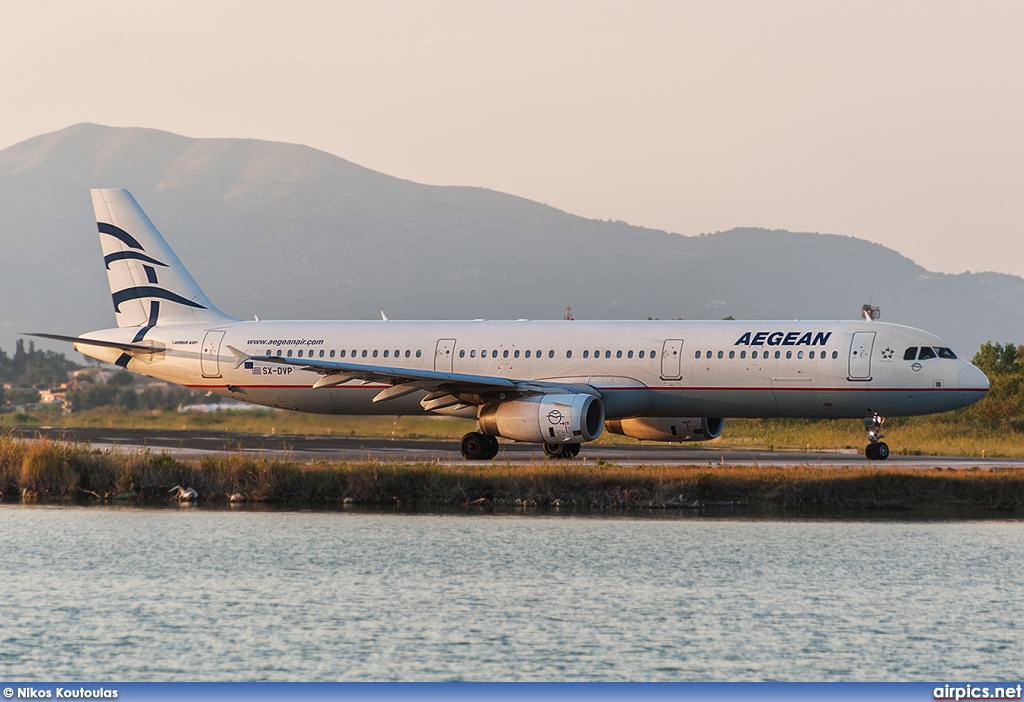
x=876 y=450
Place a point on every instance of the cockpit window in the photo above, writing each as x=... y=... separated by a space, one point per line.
x=926 y=352
x=945 y=353
x=910 y=354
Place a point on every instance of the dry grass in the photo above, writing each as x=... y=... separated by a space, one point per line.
x=55 y=470
x=948 y=434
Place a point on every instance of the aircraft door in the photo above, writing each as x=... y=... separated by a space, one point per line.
x=209 y=360
x=860 y=355
x=671 y=359
x=444 y=355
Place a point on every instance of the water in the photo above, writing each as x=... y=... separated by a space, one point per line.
x=195 y=594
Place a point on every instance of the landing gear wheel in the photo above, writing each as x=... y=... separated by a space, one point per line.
x=492 y=446
x=881 y=450
x=553 y=450
x=561 y=450
x=475 y=446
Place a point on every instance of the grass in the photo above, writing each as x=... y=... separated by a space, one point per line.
x=947 y=434
x=51 y=470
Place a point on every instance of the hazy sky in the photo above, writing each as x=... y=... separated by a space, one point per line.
x=898 y=122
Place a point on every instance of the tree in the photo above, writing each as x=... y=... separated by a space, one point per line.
x=1003 y=408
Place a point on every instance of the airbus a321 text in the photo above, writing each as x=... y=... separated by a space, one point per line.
x=554 y=383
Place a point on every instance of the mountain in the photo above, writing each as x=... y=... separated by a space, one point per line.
x=286 y=231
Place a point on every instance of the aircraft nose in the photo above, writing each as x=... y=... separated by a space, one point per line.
x=973 y=385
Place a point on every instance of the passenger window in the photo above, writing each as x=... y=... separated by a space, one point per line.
x=527 y=353
x=289 y=353
x=753 y=354
x=504 y=353
x=835 y=355
x=375 y=353
x=789 y=354
x=269 y=352
x=539 y=354
x=342 y=353
x=515 y=354
x=472 y=354
x=810 y=355
x=721 y=354
x=364 y=353
x=778 y=354
x=697 y=355
x=494 y=353
x=418 y=353
x=568 y=354
x=300 y=353
x=462 y=353
x=732 y=354
x=618 y=354
x=586 y=353
x=799 y=354
x=629 y=354
x=332 y=353
x=641 y=354
x=709 y=354
x=607 y=354
x=910 y=354
x=945 y=353
x=279 y=352
x=322 y=353
x=385 y=353
x=407 y=353
x=397 y=353
x=551 y=353
x=926 y=353
x=483 y=354
x=653 y=354
x=743 y=354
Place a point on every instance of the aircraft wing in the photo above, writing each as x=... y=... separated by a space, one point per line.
x=443 y=389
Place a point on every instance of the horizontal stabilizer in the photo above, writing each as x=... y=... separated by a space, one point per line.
x=124 y=346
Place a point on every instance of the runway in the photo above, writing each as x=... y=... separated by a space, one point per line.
x=319 y=448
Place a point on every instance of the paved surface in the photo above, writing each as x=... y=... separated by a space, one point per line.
x=308 y=448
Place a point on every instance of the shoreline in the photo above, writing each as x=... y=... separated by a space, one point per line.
x=49 y=471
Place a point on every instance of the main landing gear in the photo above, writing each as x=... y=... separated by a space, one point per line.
x=876 y=450
x=479 y=447
x=561 y=450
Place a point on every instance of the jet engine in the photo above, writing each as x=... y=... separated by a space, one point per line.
x=678 y=429
x=573 y=418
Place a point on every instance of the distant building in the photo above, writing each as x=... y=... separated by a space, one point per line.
x=55 y=396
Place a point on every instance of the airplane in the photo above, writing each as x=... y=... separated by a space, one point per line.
x=554 y=383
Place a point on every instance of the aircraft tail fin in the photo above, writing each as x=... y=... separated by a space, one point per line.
x=148 y=283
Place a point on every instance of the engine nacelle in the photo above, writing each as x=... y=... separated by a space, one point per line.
x=552 y=419
x=678 y=429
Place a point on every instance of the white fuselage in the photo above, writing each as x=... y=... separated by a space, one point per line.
x=640 y=368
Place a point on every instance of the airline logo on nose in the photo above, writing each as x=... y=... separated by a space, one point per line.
x=778 y=338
